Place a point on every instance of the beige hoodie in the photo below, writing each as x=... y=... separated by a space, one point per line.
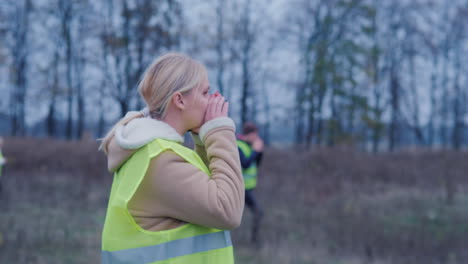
x=173 y=191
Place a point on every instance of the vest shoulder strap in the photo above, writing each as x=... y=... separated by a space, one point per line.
x=245 y=148
x=161 y=145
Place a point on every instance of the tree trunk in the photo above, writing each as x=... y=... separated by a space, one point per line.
x=395 y=107
x=220 y=45
x=246 y=63
x=66 y=34
x=79 y=67
x=51 y=127
x=457 y=132
x=433 y=101
x=20 y=66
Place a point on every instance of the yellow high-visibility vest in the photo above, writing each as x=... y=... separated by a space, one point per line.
x=124 y=241
x=250 y=174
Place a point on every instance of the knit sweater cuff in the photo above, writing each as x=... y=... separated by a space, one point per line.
x=215 y=123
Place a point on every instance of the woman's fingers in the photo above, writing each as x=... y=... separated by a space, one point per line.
x=216 y=107
x=225 y=108
x=219 y=105
x=211 y=106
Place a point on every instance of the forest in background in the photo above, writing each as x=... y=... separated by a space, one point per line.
x=379 y=75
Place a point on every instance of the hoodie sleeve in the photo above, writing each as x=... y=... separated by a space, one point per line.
x=180 y=190
x=117 y=155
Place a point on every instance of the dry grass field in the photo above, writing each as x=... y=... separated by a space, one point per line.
x=323 y=206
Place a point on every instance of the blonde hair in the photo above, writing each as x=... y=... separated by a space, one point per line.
x=170 y=73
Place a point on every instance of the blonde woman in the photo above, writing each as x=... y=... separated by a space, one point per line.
x=168 y=203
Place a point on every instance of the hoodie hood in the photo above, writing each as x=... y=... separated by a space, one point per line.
x=134 y=135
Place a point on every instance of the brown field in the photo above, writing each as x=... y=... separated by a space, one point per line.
x=325 y=206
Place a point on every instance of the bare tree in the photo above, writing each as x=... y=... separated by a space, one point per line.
x=412 y=99
x=220 y=44
x=54 y=89
x=444 y=85
x=459 y=95
x=329 y=58
x=433 y=48
x=65 y=14
x=393 y=61
x=79 y=63
x=17 y=37
x=375 y=73
x=246 y=49
x=130 y=45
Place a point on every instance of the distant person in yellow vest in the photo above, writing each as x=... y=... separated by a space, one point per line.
x=2 y=162
x=168 y=203
x=250 y=152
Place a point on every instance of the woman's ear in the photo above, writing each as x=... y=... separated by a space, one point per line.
x=178 y=101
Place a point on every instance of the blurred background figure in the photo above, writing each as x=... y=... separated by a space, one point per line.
x=250 y=152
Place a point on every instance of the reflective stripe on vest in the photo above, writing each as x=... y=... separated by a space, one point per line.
x=250 y=174
x=171 y=249
x=124 y=241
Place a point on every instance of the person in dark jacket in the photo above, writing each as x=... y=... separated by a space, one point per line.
x=251 y=147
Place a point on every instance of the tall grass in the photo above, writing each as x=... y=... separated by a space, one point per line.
x=324 y=206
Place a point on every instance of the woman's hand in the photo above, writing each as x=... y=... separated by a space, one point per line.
x=217 y=107
x=257 y=144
